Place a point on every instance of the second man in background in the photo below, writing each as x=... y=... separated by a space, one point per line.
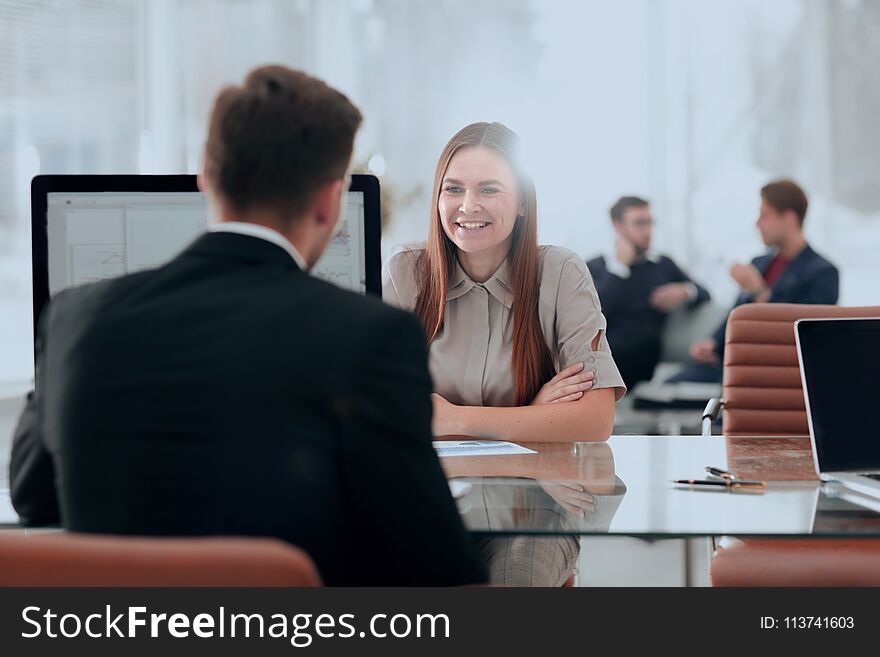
x=638 y=288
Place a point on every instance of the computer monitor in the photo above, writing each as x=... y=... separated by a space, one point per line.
x=90 y=228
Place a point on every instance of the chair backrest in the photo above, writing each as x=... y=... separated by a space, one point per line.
x=762 y=382
x=61 y=559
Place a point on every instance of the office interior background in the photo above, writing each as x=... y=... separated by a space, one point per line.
x=692 y=104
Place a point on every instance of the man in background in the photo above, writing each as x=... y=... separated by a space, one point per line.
x=638 y=289
x=792 y=272
x=228 y=392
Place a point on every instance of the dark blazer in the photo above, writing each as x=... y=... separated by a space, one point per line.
x=230 y=393
x=626 y=301
x=809 y=278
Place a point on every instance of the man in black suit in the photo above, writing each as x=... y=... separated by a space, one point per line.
x=638 y=289
x=229 y=392
x=792 y=272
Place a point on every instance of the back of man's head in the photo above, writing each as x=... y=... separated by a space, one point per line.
x=623 y=204
x=275 y=139
x=786 y=195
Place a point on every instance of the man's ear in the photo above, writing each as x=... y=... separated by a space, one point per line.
x=327 y=201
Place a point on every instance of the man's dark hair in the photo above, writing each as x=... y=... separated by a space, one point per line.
x=623 y=204
x=274 y=140
x=784 y=195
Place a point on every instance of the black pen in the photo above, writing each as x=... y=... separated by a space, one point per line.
x=716 y=483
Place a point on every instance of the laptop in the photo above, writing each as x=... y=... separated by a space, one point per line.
x=840 y=363
x=87 y=228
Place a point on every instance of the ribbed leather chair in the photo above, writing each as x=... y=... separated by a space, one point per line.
x=762 y=382
x=763 y=397
x=61 y=559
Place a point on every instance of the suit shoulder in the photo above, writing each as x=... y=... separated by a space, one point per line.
x=821 y=262
x=597 y=263
x=362 y=307
x=762 y=262
x=88 y=294
x=372 y=327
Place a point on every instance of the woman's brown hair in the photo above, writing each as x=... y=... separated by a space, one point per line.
x=532 y=364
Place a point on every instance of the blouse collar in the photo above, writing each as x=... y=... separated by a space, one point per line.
x=498 y=285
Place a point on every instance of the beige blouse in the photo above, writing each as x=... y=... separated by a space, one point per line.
x=470 y=359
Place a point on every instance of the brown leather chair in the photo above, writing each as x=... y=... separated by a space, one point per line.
x=762 y=396
x=762 y=382
x=61 y=559
x=806 y=562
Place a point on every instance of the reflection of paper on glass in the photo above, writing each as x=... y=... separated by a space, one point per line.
x=96 y=262
x=478 y=448
x=458 y=488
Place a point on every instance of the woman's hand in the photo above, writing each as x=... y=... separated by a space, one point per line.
x=569 y=385
x=443 y=422
x=570 y=496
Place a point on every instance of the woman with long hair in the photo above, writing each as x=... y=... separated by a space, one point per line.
x=517 y=336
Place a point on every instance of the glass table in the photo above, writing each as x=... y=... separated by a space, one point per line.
x=623 y=487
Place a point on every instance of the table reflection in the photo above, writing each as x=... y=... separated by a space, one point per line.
x=562 y=489
x=578 y=488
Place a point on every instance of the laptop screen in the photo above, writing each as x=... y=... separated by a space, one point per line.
x=840 y=366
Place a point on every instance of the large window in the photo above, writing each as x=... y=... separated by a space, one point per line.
x=69 y=103
x=693 y=104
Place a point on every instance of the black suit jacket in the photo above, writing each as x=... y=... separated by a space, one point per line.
x=809 y=278
x=626 y=302
x=230 y=393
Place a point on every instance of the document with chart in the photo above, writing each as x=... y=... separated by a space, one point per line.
x=478 y=448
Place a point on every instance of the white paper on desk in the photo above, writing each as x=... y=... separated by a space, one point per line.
x=478 y=448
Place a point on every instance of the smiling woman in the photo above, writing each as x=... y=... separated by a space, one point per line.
x=518 y=347
x=479 y=214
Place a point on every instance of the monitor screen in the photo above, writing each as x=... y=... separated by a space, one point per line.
x=98 y=235
x=840 y=359
x=90 y=228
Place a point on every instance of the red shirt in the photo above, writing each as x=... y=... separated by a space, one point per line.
x=774 y=271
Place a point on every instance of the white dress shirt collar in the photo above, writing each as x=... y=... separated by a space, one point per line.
x=613 y=265
x=263 y=233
